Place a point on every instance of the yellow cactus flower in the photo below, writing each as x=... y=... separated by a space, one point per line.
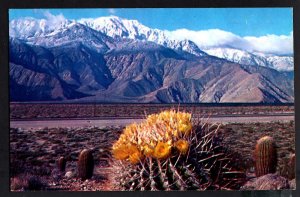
x=162 y=150
x=135 y=157
x=154 y=137
x=131 y=148
x=182 y=146
x=120 y=153
x=148 y=152
x=185 y=128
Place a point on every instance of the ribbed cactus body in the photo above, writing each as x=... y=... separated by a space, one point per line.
x=265 y=156
x=196 y=161
x=85 y=164
x=61 y=164
x=292 y=166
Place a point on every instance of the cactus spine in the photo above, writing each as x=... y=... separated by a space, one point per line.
x=85 y=164
x=166 y=152
x=61 y=163
x=265 y=156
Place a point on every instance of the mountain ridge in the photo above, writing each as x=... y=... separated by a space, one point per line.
x=117 y=27
x=78 y=63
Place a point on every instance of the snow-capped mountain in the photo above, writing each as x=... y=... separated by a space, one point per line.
x=123 y=28
x=280 y=63
x=41 y=31
x=30 y=27
x=125 y=61
x=117 y=27
x=75 y=33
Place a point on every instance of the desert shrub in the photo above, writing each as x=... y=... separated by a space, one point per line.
x=27 y=182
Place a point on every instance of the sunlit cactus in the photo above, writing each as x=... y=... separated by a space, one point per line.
x=265 y=156
x=166 y=152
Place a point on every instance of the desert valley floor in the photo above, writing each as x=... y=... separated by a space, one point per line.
x=35 y=147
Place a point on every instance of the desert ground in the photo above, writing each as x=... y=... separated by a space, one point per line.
x=34 y=150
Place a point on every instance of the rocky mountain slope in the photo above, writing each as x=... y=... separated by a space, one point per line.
x=117 y=27
x=78 y=62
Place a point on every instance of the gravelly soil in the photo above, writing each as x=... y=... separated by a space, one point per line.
x=35 y=152
x=61 y=110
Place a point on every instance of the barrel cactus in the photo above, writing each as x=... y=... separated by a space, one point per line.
x=85 y=164
x=292 y=164
x=168 y=152
x=265 y=156
x=61 y=164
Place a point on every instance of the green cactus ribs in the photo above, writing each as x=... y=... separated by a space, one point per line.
x=171 y=153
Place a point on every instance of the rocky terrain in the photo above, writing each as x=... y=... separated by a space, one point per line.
x=34 y=155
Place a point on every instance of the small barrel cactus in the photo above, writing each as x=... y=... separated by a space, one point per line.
x=166 y=152
x=61 y=164
x=265 y=156
x=292 y=166
x=85 y=164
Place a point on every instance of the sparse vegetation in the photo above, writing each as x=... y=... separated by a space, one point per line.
x=35 y=152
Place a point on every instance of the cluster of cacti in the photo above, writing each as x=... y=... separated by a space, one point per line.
x=85 y=165
x=168 y=152
x=265 y=156
x=61 y=164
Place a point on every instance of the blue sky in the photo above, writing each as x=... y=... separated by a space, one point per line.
x=240 y=21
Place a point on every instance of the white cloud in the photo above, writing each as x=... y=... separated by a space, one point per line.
x=112 y=11
x=54 y=20
x=275 y=44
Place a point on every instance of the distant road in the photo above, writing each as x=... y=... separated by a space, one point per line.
x=35 y=124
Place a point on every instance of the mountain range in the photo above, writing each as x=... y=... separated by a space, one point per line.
x=110 y=59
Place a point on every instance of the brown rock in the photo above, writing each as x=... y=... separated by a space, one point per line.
x=292 y=184
x=267 y=182
x=69 y=174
